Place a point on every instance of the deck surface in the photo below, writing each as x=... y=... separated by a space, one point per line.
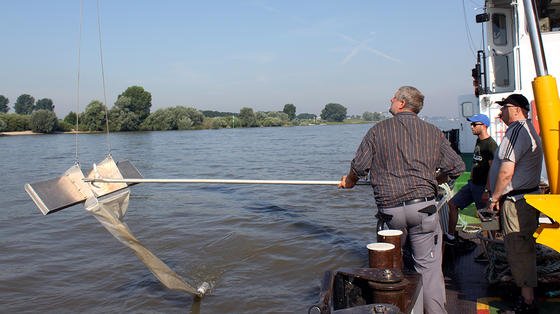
x=466 y=284
x=465 y=280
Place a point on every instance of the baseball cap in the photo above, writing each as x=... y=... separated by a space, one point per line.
x=516 y=100
x=479 y=117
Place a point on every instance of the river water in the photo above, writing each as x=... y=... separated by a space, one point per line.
x=263 y=247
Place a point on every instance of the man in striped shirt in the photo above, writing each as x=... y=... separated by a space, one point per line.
x=516 y=171
x=402 y=155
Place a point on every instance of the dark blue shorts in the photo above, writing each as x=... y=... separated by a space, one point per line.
x=468 y=194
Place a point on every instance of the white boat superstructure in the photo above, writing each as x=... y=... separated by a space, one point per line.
x=506 y=65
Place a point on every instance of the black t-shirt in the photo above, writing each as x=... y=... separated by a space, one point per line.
x=483 y=153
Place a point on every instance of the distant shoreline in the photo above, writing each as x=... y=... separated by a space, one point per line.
x=28 y=132
x=16 y=133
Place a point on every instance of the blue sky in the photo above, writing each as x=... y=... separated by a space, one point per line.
x=225 y=55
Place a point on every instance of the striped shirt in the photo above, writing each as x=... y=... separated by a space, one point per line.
x=402 y=155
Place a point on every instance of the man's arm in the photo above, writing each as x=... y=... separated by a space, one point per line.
x=505 y=174
x=485 y=195
x=361 y=163
x=348 y=181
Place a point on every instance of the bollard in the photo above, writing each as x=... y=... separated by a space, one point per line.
x=381 y=255
x=393 y=237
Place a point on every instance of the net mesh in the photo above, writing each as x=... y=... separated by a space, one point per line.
x=110 y=211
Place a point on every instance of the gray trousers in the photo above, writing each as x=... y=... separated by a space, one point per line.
x=424 y=233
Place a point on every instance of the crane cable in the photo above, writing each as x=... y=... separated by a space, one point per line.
x=76 y=156
x=470 y=39
x=103 y=80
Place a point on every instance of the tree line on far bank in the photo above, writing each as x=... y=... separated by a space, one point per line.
x=132 y=112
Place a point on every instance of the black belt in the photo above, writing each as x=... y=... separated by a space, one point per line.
x=410 y=202
x=521 y=191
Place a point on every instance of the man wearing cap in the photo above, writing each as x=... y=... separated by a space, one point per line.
x=475 y=189
x=515 y=172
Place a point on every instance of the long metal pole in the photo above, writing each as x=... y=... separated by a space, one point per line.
x=218 y=181
x=535 y=37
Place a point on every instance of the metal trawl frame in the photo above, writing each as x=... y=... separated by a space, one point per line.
x=70 y=189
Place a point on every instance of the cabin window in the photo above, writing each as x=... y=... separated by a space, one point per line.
x=499 y=30
x=467 y=109
x=501 y=70
x=549 y=15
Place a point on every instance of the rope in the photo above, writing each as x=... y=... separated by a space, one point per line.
x=471 y=228
x=76 y=158
x=447 y=195
x=498 y=270
x=470 y=40
x=465 y=227
x=103 y=81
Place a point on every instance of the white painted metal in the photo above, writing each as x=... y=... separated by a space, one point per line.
x=212 y=181
x=522 y=67
x=468 y=106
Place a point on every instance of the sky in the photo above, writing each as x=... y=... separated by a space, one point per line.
x=227 y=54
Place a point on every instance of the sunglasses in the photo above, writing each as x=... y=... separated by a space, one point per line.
x=476 y=123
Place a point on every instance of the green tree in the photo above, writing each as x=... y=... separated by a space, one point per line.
x=4 y=104
x=271 y=118
x=290 y=110
x=123 y=120
x=45 y=103
x=368 y=116
x=160 y=120
x=3 y=123
x=93 y=118
x=17 y=122
x=333 y=112
x=24 y=104
x=175 y=118
x=71 y=118
x=247 y=117
x=63 y=126
x=216 y=122
x=377 y=116
x=306 y=116
x=43 y=121
x=139 y=102
x=213 y=113
x=121 y=116
x=195 y=116
x=373 y=116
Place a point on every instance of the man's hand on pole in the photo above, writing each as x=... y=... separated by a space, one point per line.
x=348 y=181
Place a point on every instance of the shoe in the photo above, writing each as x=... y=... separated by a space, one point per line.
x=448 y=241
x=464 y=245
x=521 y=307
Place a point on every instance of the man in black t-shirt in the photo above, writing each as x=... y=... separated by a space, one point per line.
x=475 y=190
